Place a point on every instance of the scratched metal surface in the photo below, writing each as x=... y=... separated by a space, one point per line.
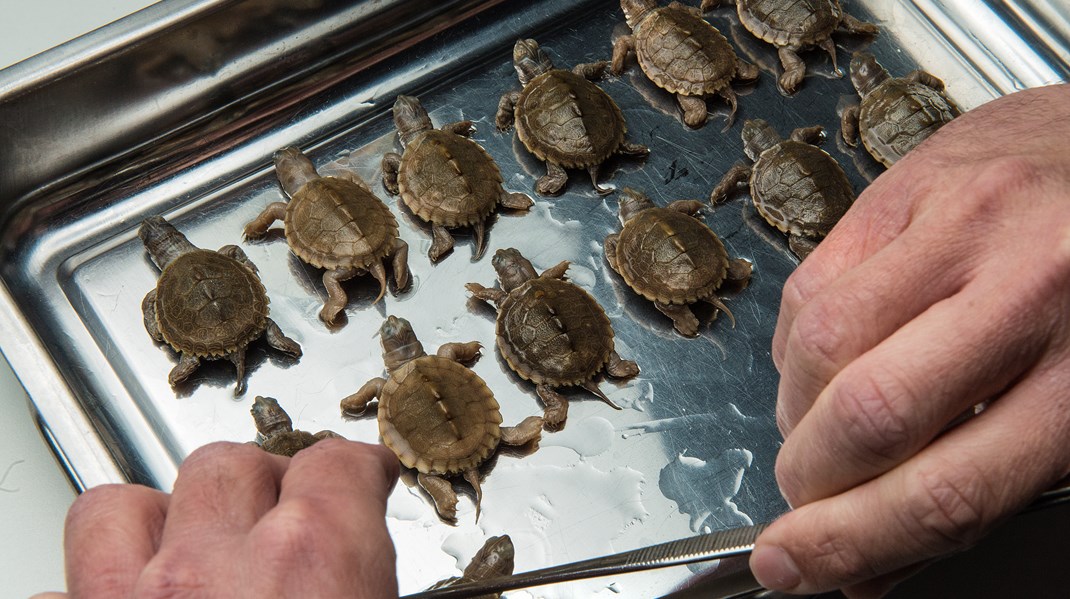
x=694 y=447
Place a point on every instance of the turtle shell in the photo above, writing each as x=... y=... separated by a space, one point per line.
x=800 y=189
x=552 y=332
x=288 y=443
x=448 y=179
x=438 y=416
x=335 y=223
x=208 y=304
x=790 y=22
x=565 y=119
x=669 y=257
x=898 y=115
x=682 y=53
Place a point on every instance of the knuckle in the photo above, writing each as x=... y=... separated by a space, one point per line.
x=818 y=337
x=294 y=533
x=877 y=422
x=839 y=559
x=171 y=576
x=945 y=509
x=997 y=181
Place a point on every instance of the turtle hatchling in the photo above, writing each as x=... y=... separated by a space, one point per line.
x=276 y=431
x=206 y=305
x=334 y=223
x=682 y=54
x=670 y=257
x=493 y=560
x=562 y=118
x=551 y=332
x=792 y=25
x=896 y=113
x=437 y=415
x=445 y=178
x=796 y=186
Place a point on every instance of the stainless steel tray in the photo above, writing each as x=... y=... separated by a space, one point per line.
x=177 y=110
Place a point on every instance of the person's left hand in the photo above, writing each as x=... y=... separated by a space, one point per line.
x=241 y=523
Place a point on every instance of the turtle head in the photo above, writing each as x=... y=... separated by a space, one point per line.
x=759 y=136
x=293 y=169
x=493 y=560
x=269 y=417
x=530 y=60
x=513 y=269
x=866 y=72
x=635 y=10
x=399 y=342
x=632 y=202
x=163 y=241
x=410 y=118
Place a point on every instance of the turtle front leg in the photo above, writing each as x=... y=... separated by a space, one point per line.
x=516 y=201
x=801 y=246
x=794 y=69
x=462 y=128
x=925 y=78
x=628 y=148
x=354 y=405
x=593 y=171
x=442 y=493
x=555 y=407
x=503 y=119
x=694 y=10
x=238 y=359
x=622 y=48
x=259 y=225
x=739 y=270
x=745 y=71
x=399 y=262
x=809 y=135
x=556 y=271
x=148 y=310
x=493 y=296
x=186 y=365
x=391 y=165
x=688 y=207
x=462 y=353
x=829 y=47
x=610 y=247
x=620 y=368
x=235 y=252
x=336 y=296
x=529 y=430
x=277 y=340
x=553 y=181
x=852 y=25
x=441 y=244
x=694 y=108
x=683 y=319
x=849 y=125
x=592 y=71
x=736 y=176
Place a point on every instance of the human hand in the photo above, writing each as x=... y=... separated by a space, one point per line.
x=946 y=286
x=241 y=523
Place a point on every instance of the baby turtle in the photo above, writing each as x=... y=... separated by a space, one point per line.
x=206 y=304
x=796 y=186
x=682 y=54
x=896 y=113
x=562 y=118
x=276 y=431
x=792 y=25
x=493 y=560
x=445 y=178
x=551 y=332
x=437 y=415
x=671 y=258
x=335 y=223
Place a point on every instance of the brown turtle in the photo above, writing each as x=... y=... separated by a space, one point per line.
x=275 y=430
x=671 y=258
x=445 y=178
x=437 y=415
x=796 y=186
x=896 y=113
x=335 y=223
x=682 y=54
x=562 y=118
x=551 y=332
x=206 y=304
x=792 y=25
x=493 y=560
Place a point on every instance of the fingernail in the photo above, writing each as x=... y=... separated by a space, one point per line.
x=774 y=569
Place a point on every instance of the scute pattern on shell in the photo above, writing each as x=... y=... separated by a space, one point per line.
x=898 y=115
x=335 y=223
x=670 y=257
x=553 y=332
x=449 y=180
x=438 y=416
x=800 y=189
x=208 y=304
x=565 y=119
x=790 y=22
x=683 y=54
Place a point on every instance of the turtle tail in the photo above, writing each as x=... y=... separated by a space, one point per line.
x=593 y=388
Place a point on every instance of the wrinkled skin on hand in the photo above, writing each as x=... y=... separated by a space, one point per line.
x=945 y=286
x=241 y=523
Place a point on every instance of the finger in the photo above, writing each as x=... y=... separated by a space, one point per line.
x=889 y=403
x=221 y=491
x=944 y=498
x=111 y=532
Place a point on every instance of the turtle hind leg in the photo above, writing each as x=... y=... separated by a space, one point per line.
x=277 y=340
x=336 y=296
x=529 y=430
x=829 y=46
x=516 y=201
x=593 y=171
x=622 y=48
x=259 y=225
x=593 y=388
x=553 y=181
x=620 y=368
x=187 y=364
x=555 y=406
x=801 y=246
x=694 y=108
x=238 y=359
x=354 y=405
x=794 y=69
x=852 y=25
x=736 y=176
x=463 y=353
x=442 y=493
x=849 y=125
x=683 y=319
x=391 y=165
x=472 y=476
x=442 y=243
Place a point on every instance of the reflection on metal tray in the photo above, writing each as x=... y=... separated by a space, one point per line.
x=217 y=86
